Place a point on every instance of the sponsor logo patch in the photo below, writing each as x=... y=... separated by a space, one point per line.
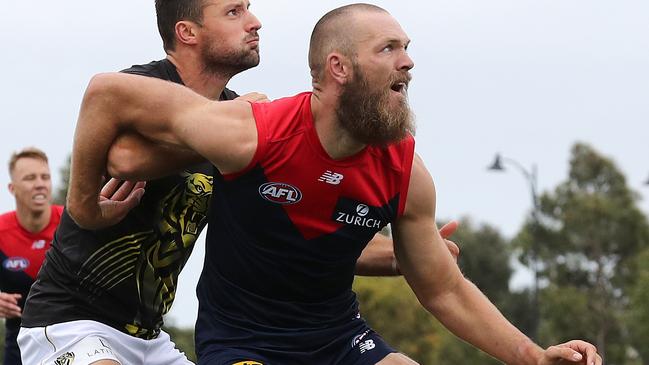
x=280 y=193
x=358 y=338
x=65 y=359
x=38 y=245
x=331 y=177
x=248 y=362
x=15 y=263
x=366 y=346
x=358 y=218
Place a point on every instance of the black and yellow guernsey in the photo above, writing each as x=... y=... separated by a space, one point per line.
x=126 y=276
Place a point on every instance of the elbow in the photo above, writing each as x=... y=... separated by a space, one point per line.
x=445 y=299
x=97 y=86
x=74 y=210
x=79 y=212
x=102 y=92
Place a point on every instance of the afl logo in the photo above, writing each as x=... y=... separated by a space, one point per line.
x=15 y=263
x=362 y=210
x=280 y=193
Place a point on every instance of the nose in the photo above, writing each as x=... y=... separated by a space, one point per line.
x=406 y=63
x=42 y=182
x=253 y=23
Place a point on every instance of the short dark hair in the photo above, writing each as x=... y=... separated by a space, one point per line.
x=170 y=12
x=332 y=33
x=28 y=152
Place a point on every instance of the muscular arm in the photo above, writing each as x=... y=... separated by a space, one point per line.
x=133 y=157
x=222 y=132
x=430 y=270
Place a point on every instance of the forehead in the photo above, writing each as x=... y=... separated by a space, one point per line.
x=375 y=27
x=218 y=4
x=30 y=165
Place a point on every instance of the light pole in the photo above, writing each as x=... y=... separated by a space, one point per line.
x=531 y=179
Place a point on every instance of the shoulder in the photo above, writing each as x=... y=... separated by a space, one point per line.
x=57 y=212
x=7 y=221
x=285 y=116
x=421 y=191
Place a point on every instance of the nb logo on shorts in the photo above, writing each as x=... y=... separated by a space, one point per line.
x=65 y=359
x=248 y=362
x=366 y=346
x=332 y=178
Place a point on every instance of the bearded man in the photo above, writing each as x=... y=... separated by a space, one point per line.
x=284 y=236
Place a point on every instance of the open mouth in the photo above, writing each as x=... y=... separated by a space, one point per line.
x=39 y=197
x=400 y=87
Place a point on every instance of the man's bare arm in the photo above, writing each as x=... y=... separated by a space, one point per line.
x=133 y=157
x=439 y=285
x=377 y=259
x=222 y=132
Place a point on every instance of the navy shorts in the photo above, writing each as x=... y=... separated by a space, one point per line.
x=364 y=348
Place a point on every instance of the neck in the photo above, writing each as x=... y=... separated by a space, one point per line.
x=192 y=71
x=33 y=221
x=334 y=138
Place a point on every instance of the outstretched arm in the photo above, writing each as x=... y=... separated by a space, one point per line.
x=133 y=157
x=377 y=259
x=222 y=132
x=439 y=285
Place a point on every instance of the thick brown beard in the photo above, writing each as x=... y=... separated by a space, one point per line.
x=367 y=115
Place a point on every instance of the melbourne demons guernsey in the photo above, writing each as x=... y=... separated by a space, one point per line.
x=22 y=254
x=285 y=233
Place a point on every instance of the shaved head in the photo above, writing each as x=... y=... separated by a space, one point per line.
x=335 y=32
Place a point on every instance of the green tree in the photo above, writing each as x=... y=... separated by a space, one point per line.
x=62 y=190
x=484 y=259
x=184 y=340
x=637 y=317
x=590 y=230
x=391 y=308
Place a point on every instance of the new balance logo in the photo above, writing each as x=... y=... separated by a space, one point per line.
x=332 y=178
x=38 y=245
x=366 y=346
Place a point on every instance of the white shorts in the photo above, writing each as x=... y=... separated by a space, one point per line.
x=85 y=342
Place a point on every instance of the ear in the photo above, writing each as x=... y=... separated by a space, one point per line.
x=339 y=67
x=186 y=32
x=10 y=186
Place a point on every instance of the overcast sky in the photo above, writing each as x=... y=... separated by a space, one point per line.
x=525 y=78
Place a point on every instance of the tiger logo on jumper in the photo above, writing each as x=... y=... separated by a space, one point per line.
x=65 y=359
x=154 y=258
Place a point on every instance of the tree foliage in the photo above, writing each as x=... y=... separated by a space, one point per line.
x=184 y=340
x=637 y=317
x=589 y=232
x=391 y=308
x=62 y=190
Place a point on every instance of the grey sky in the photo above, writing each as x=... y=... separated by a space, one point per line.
x=521 y=77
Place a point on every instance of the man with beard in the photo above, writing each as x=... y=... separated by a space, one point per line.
x=25 y=236
x=102 y=294
x=283 y=235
